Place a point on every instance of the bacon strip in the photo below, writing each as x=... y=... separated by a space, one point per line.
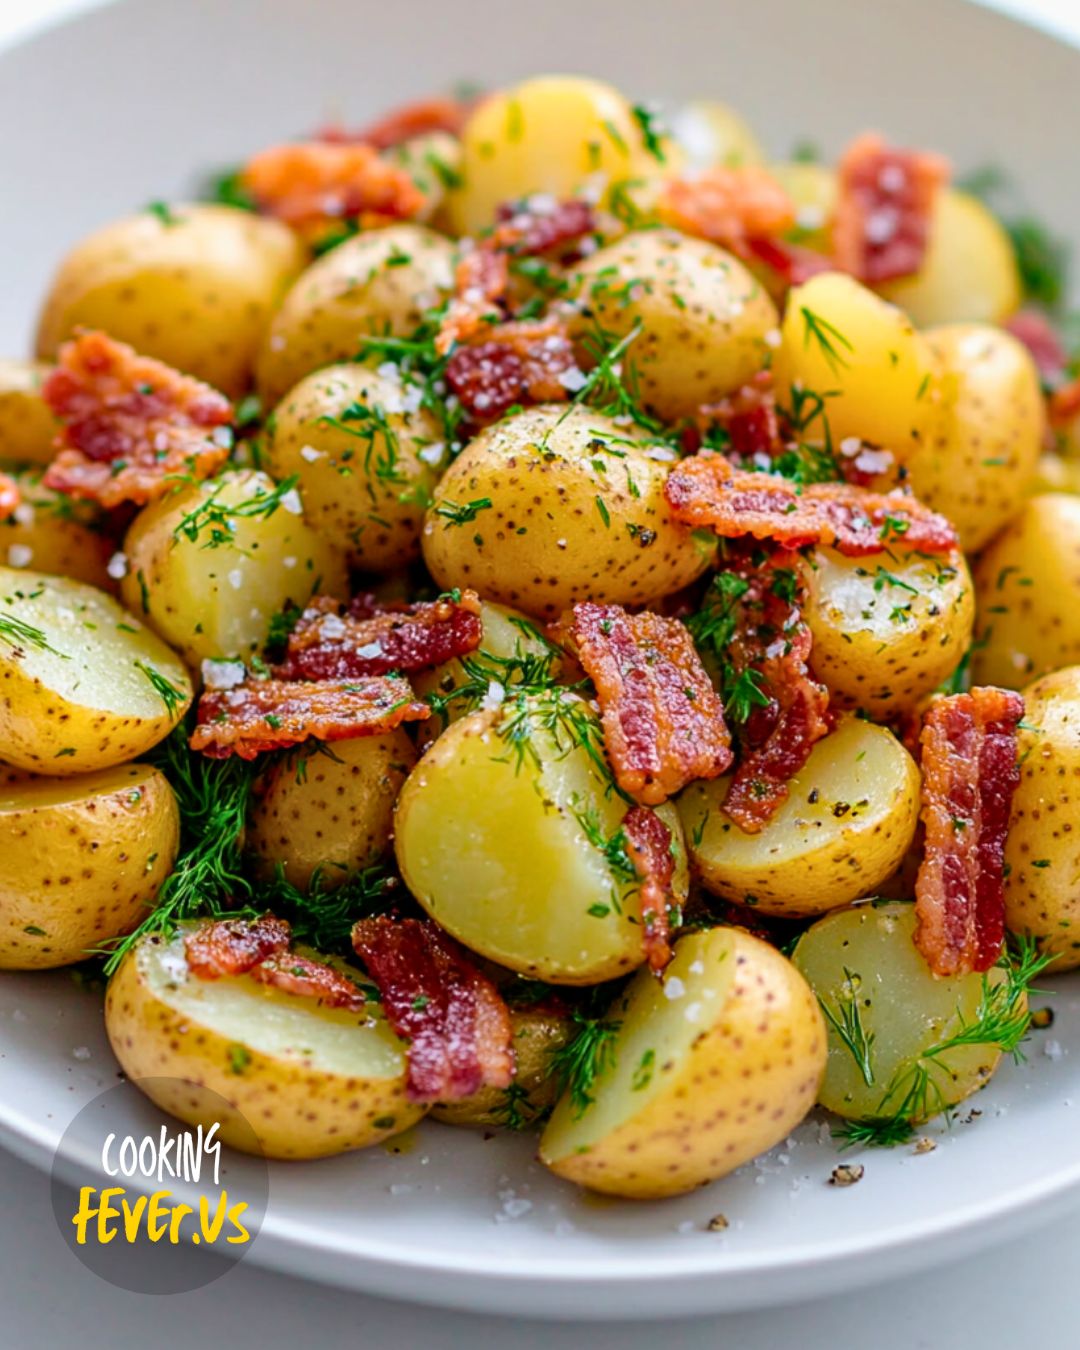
x=881 y=227
x=423 y=117
x=313 y=183
x=663 y=722
x=307 y=978
x=327 y=645
x=457 y=1024
x=262 y=715
x=648 y=846
x=9 y=496
x=706 y=491
x=729 y=206
x=970 y=773
x=748 y=417
x=518 y=362
x=130 y=423
x=234 y=946
x=793 y=263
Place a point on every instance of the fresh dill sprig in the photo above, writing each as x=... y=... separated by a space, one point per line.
x=212 y=524
x=613 y=391
x=18 y=635
x=336 y=898
x=172 y=697
x=828 y=338
x=461 y=514
x=421 y=368
x=516 y=1110
x=846 y=1020
x=369 y=424
x=226 y=189
x=576 y=1065
x=714 y=628
x=528 y=671
x=564 y=717
x=887 y=1133
x=611 y=847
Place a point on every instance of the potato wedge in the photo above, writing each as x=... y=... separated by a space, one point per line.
x=27 y=424
x=81 y=860
x=309 y=1080
x=709 y=1068
x=845 y=827
x=83 y=684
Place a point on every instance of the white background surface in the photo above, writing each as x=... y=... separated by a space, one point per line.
x=1019 y=1294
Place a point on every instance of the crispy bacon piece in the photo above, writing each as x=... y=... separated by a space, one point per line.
x=326 y=645
x=308 y=978
x=885 y=203
x=9 y=496
x=313 y=183
x=706 y=491
x=749 y=417
x=457 y=1025
x=728 y=206
x=970 y=773
x=648 y=846
x=262 y=715
x=130 y=423
x=518 y=362
x=423 y=117
x=663 y=722
x=541 y=226
x=481 y=281
x=773 y=640
x=793 y=263
x=234 y=946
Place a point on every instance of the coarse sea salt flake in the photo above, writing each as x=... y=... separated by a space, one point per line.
x=223 y=674
x=310 y=454
x=235 y=578
x=292 y=503
x=674 y=988
x=20 y=555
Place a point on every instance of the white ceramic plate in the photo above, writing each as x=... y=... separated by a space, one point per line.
x=126 y=105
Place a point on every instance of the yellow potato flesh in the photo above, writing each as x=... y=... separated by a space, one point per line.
x=77 y=674
x=710 y=1067
x=27 y=424
x=849 y=819
x=865 y=968
x=81 y=859
x=51 y=533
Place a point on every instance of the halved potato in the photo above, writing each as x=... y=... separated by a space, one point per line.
x=52 y=533
x=308 y=1080
x=83 y=684
x=81 y=860
x=711 y=1066
x=847 y=823
x=27 y=423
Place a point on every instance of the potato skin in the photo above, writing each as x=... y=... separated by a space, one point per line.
x=559 y=528
x=329 y=815
x=295 y=1108
x=848 y=822
x=1027 y=584
x=81 y=861
x=51 y=533
x=984 y=451
x=740 y=1085
x=27 y=424
x=365 y=483
x=194 y=286
x=886 y=632
x=362 y=287
x=1042 y=851
x=704 y=318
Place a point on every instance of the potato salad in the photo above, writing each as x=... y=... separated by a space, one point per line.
x=538 y=613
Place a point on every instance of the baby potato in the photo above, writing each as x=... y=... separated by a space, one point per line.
x=536 y=1034
x=1042 y=851
x=83 y=684
x=433 y=162
x=710 y=1067
x=709 y=133
x=876 y=375
x=367 y=462
x=302 y=1080
x=886 y=633
x=192 y=285
x=557 y=504
x=1027 y=584
x=977 y=464
x=27 y=424
x=504 y=833
x=52 y=533
x=813 y=188
x=209 y=566
x=890 y=1019
x=329 y=813
x=846 y=825
x=969 y=273
x=81 y=860
x=704 y=320
x=380 y=283
x=556 y=134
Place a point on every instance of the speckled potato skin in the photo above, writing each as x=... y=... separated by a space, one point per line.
x=295 y=1109
x=536 y=1034
x=704 y=317
x=335 y=816
x=195 y=290
x=81 y=861
x=544 y=542
x=51 y=533
x=976 y=466
x=748 y=1078
x=1042 y=851
x=360 y=288
x=364 y=492
x=886 y=632
x=27 y=425
x=845 y=827
x=1027 y=584
x=84 y=702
